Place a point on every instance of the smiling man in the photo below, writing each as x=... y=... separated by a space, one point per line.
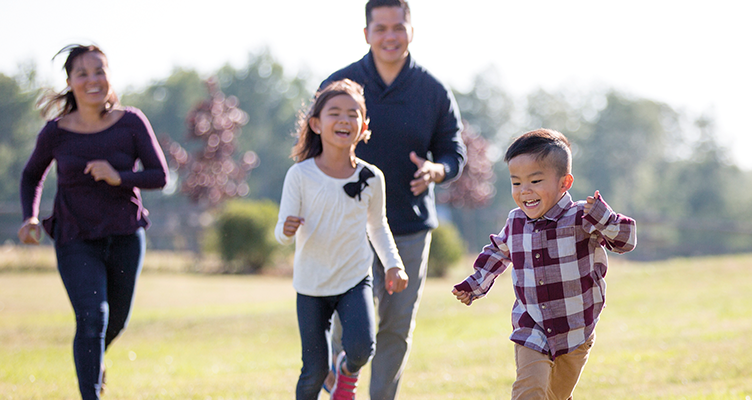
x=416 y=142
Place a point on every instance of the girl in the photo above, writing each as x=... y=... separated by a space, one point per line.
x=98 y=219
x=330 y=201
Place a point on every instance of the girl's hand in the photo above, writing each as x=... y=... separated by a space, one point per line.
x=292 y=223
x=590 y=201
x=101 y=170
x=30 y=232
x=464 y=297
x=396 y=280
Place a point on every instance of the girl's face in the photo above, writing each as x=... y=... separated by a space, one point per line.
x=89 y=79
x=340 y=123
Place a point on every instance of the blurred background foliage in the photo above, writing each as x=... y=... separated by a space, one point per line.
x=661 y=165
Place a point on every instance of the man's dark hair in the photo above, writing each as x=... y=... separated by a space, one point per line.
x=546 y=145
x=386 y=3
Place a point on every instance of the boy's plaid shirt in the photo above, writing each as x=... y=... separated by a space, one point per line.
x=559 y=262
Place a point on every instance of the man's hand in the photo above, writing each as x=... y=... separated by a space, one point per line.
x=396 y=280
x=427 y=172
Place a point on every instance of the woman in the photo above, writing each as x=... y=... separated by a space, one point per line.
x=104 y=154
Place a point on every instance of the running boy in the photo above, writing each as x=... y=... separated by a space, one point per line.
x=556 y=248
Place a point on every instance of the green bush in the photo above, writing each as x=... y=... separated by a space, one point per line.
x=245 y=235
x=447 y=249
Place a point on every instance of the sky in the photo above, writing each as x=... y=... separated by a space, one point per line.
x=693 y=55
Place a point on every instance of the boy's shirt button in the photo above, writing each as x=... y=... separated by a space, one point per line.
x=540 y=282
x=537 y=255
x=548 y=330
x=543 y=306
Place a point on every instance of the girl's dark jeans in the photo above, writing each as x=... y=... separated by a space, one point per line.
x=355 y=309
x=100 y=278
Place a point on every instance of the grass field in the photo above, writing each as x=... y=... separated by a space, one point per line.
x=680 y=329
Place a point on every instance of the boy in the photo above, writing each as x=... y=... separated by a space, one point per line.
x=557 y=252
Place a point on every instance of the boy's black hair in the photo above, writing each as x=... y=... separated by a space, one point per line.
x=386 y=3
x=546 y=145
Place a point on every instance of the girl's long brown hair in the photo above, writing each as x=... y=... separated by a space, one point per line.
x=56 y=105
x=309 y=143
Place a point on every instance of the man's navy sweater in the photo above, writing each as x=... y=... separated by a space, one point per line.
x=415 y=113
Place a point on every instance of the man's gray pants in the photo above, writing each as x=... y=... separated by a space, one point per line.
x=396 y=316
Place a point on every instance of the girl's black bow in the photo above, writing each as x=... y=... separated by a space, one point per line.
x=355 y=188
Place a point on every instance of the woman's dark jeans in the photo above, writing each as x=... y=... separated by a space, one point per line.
x=100 y=278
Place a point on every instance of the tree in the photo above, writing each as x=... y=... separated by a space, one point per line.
x=628 y=143
x=167 y=102
x=18 y=129
x=273 y=102
x=714 y=195
x=212 y=175
x=486 y=106
x=474 y=189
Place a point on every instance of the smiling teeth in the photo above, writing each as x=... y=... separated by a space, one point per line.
x=531 y=203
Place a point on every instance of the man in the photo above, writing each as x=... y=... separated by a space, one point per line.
x=416 y=142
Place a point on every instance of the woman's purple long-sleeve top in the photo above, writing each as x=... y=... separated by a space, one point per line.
x=84 y=208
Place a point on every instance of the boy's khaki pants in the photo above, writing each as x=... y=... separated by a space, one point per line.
x=540 y=378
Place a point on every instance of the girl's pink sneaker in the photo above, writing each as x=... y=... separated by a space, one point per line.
x=344 y=386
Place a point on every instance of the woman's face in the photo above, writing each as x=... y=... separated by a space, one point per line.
x=89 y=80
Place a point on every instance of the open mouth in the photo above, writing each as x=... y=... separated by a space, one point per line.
x=93 y=91
x=342 y=132
x=531 y=203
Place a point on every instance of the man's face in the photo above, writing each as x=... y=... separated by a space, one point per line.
x=389 y=35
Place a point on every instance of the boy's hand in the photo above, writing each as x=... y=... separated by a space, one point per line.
x=292 y=223
x=464 y=297
x=396 y=280
x=590 y=201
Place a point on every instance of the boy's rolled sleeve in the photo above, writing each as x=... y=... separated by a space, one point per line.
x=618 y=231
x=492 y=262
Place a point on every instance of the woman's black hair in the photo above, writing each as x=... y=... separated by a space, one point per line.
x=64 y=103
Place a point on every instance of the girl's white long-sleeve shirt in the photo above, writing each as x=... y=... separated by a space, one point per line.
x=332 y=251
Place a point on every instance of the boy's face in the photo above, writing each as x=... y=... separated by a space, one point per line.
x=536 y=187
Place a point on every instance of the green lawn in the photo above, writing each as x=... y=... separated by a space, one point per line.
x=680 y=329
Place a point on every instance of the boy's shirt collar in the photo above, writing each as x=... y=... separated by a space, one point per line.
x=558 y=209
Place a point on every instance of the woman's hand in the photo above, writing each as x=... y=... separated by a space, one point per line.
x=30 y=232
x=101 y=170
